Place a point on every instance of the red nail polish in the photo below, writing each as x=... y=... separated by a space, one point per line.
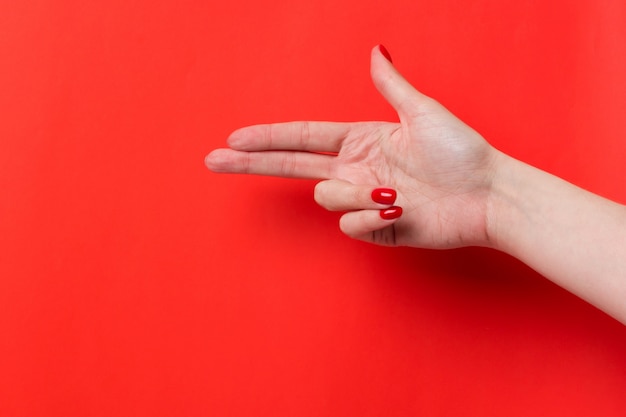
x=391 y=213
x=385 y=52
x=384 y=196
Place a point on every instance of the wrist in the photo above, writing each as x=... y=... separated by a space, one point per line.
x=503 y=201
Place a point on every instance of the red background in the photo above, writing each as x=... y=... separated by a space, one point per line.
x=133 y=282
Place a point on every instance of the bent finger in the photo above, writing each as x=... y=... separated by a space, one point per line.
x=296 y=136
x=273 y=163
x=338 y=195
x=374 y=226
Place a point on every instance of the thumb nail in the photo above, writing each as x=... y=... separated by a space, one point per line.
x=385 y=52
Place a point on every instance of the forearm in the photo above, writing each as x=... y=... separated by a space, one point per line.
x=572 y=237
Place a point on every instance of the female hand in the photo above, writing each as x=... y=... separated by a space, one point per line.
x=441 y=169
x=456 y=190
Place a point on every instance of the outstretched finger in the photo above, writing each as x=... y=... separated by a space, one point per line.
x=275 y=163
x=374 y=226
x=338 y=195
x=404 y=98
x=293 y=136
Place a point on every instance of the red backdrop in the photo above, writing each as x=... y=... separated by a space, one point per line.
x=133 y=282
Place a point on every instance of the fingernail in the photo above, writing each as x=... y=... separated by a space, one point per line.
x=391 y=213
x=385 y=52
x=384 y=196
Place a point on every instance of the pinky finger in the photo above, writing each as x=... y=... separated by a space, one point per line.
x=374 y=226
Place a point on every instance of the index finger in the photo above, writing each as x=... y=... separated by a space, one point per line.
x=292 y=136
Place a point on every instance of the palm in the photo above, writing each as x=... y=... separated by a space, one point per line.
x=440 y=168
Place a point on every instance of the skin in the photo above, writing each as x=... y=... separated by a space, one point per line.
x=454 y=187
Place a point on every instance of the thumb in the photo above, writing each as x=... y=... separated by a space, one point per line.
x=404 y=98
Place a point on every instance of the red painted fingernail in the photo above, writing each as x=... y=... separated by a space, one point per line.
x=384 y=196
x=385 y=53
x=391 y=213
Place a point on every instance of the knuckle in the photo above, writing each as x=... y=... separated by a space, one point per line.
x=320 y=193
x=359 y=196
x=346 y=226
x=343 y=226
x=288 y=166
x=246 y=165
x=305 y=134
x=269 y=135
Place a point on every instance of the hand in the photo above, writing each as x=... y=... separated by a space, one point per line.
x=441 y=169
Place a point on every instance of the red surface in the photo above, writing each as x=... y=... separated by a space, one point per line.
x=133 y=282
